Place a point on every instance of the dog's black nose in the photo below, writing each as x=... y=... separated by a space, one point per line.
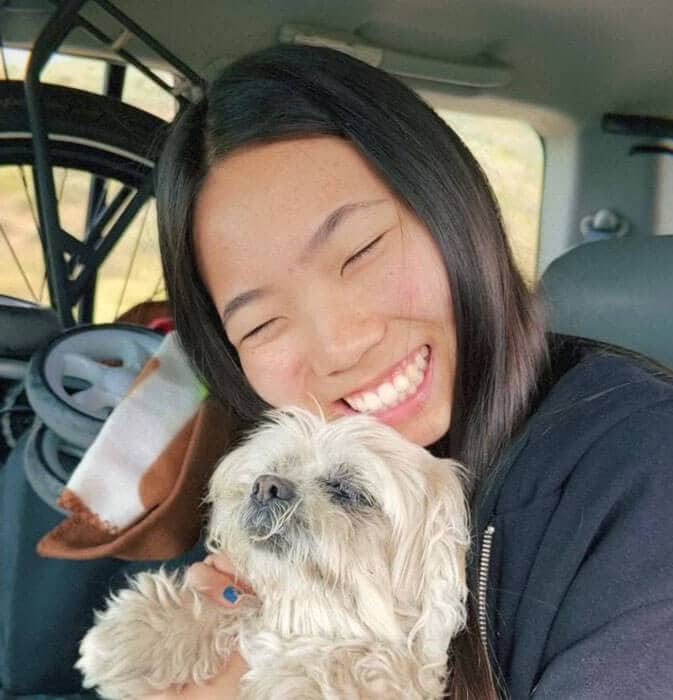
x=270 y=487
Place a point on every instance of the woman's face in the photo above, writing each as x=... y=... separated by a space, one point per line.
x=331 y=291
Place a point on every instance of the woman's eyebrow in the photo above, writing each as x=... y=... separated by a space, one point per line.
x=317 y=239
x=241 y=300
x=331 y=223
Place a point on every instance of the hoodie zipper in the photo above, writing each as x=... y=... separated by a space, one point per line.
x=484 y=563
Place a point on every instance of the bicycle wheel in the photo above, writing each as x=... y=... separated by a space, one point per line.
x=114 y=145
x=87 y=132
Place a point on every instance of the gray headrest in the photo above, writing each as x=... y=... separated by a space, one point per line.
x=618 y=291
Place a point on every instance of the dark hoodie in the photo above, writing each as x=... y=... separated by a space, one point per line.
x=575 y=553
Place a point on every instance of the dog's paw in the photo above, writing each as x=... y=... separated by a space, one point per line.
x=156 y=634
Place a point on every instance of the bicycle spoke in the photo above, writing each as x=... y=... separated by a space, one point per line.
x=134 y=254
x=59 y=194
x=31 y=204
x=158 y=287
x=5 y=67
x=3 y=233
x=33 y=212
x=43 y=286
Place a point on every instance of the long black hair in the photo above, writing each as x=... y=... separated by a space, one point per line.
x=293 y=91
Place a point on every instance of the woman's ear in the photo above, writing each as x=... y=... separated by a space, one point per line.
x=430 y=563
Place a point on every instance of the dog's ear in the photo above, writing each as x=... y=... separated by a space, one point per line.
x=429 y=565
x=225 y=498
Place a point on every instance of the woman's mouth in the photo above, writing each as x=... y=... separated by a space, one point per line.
x=403 y=383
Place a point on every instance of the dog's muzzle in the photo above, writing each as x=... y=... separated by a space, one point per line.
x=270 y=498
x=269 y=488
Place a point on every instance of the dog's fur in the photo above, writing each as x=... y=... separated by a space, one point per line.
x=359 y=578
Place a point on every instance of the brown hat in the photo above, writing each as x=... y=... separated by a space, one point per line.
x=172 y=491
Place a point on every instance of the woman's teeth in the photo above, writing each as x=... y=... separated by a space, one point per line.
x=404 y=384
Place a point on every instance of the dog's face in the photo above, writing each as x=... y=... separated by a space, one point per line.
x=346 y=519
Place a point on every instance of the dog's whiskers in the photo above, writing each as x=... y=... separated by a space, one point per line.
x=279 y=522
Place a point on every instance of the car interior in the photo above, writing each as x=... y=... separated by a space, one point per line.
x=591 y=82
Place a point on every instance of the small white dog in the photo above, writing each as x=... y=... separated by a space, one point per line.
x=354 y=541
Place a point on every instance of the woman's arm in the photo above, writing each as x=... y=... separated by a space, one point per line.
x=612 y=635
x=225 y=686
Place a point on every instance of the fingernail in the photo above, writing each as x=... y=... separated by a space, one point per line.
x=231 y=594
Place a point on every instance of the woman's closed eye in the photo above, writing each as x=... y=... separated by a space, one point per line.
x=258 y=329
x=362 y=252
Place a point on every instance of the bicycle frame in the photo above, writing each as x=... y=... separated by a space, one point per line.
x=67 y=288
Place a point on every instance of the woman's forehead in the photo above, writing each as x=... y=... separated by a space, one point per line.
x=283 y=189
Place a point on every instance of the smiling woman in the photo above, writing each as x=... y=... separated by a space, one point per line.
x=329 y=242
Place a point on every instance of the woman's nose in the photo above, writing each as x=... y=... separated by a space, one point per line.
x=341 y=337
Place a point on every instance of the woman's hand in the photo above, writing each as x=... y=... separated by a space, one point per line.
x=215 y=578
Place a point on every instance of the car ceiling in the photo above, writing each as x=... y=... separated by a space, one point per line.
x=574 y=57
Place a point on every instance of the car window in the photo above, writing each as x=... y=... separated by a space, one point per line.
x=511 y=154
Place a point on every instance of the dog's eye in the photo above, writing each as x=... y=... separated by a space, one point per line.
x=340 y=490
x=345 y=493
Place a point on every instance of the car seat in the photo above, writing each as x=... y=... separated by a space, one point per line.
x=616 y=291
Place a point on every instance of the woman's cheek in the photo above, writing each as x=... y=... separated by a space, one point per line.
x=398 y=289
x=273 y=371
x=422 y=286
